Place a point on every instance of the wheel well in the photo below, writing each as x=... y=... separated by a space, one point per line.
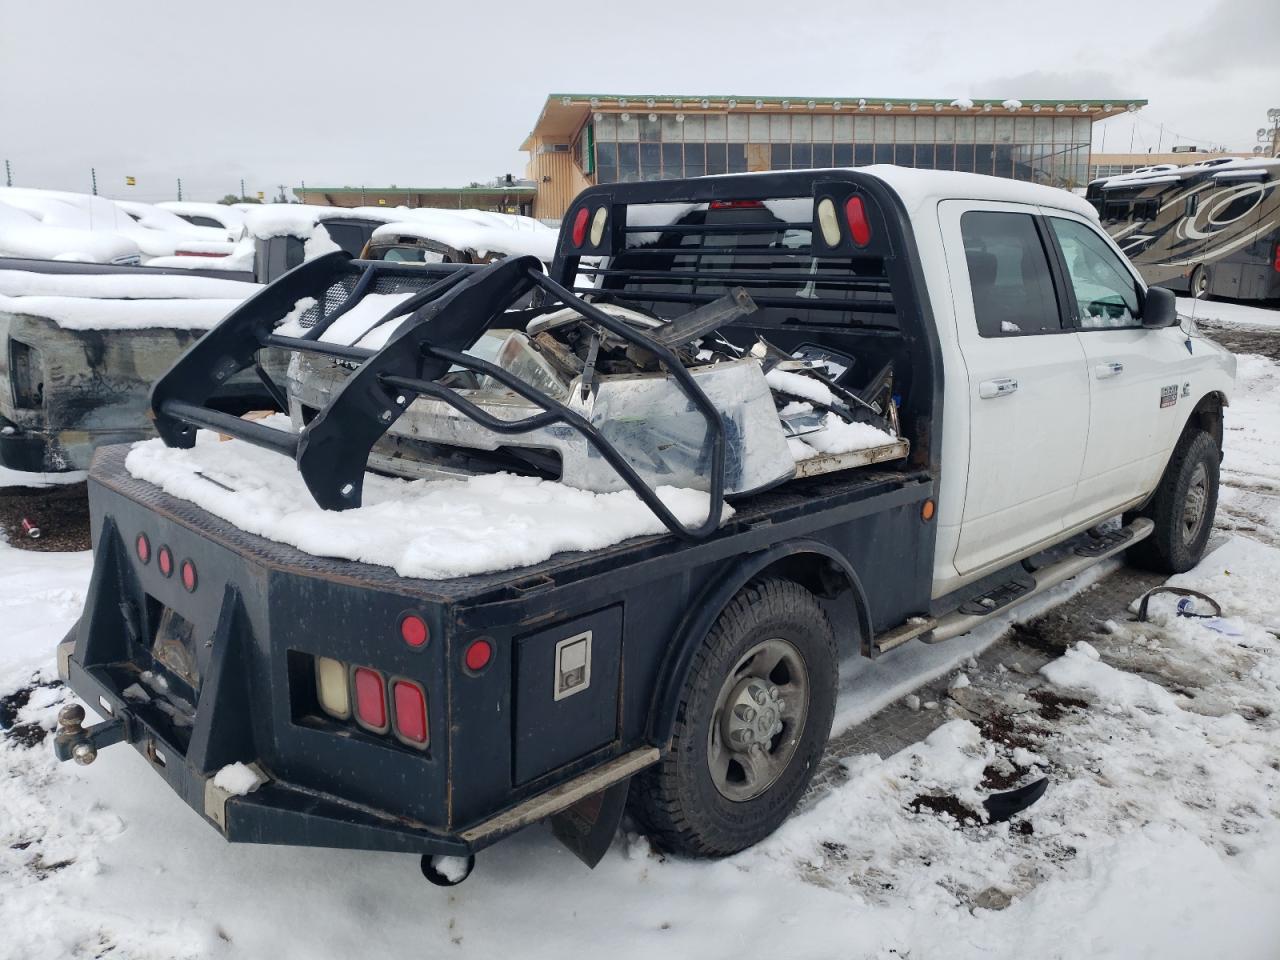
x=841 y=596
x=1207 y=416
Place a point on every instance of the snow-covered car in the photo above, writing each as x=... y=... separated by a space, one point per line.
x=943 y=419
x=155 y=232
x=23 y=235
x=425 y=235
x=219 y=216
x=79 y=353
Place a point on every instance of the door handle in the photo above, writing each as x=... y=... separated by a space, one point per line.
x=999 y=387
x=1104 y=371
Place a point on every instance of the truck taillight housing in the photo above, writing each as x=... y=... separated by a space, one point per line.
x=409 y=702
x=143 y=546
x=579 y=234
x=188 y=574
x=1276 y=261
x=164 y=560
x=855 y=214
x=331 y=688
x=371 y=699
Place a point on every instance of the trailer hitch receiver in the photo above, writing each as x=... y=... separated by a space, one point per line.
x=74 y=741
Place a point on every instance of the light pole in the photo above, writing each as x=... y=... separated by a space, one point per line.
x=1269 y=139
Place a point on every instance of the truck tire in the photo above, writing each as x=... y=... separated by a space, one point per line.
x=753 y=721
x=1182 y=508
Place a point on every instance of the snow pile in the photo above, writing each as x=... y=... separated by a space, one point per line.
x=962 y=103
x=237 y=779
x=429 y=529
x=88 y=314
x=1012 y=105
x=121 y=286
x=839 y=436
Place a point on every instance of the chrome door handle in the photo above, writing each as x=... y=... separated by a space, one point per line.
x=1104 y=371
x=1000 y=387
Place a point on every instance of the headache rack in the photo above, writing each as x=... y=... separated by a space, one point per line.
x=450 y=306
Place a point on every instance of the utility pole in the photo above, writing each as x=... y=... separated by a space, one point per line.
x=304 y=191
x=242 y=188
x=283 y=198
x=179 y=188
x=8 y=175
x=93 y=177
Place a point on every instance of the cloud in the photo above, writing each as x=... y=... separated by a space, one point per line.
x=1236 y=36
x=1048 y=84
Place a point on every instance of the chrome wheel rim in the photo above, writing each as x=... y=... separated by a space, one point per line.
x=758 y=720
x=1194 y=506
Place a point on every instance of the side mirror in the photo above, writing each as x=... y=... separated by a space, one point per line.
x=1159 y=308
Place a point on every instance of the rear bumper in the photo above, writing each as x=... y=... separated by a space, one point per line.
x=276 y=812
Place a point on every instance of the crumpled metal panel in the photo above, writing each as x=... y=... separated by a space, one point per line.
x=646 y=416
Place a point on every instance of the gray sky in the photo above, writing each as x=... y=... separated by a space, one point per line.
x=286 y=92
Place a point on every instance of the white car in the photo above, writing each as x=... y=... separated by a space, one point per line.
x=24 y=235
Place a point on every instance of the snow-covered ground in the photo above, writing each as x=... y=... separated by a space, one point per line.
x=1159 y=835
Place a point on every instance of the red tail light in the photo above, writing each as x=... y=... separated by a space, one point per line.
x=410 y=705
x=413 y=630
x=855 y=214
x=164 y=560
x=143 y=546
x=1276 y=265
x=189 y=576
x=371 y=699
x=736 y=205
x=478 y=655
x=580 y=227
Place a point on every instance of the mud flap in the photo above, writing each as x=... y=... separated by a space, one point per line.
x=1001 y=806
x=587 y=827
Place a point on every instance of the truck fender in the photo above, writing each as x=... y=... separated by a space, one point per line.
x=702 y=613
x=1206 y=415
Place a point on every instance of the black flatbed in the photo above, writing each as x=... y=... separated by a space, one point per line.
x=795 y=508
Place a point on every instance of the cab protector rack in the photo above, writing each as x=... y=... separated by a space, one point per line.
x=452 y=305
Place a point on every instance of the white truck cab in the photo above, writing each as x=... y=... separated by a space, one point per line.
x=1063 y=403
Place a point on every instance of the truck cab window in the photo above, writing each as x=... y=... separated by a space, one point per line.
x=1106 y=292
x=1008 y=274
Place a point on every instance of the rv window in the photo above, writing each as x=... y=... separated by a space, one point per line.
x=1191 y=206
x=1008 y=274
x=1115 y=210
x=1105 y=290
x=1146 y=209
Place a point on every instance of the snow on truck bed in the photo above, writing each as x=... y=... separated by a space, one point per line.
x=430 y=529
x=122 y=301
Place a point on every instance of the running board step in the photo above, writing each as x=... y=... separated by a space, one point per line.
x=1000 y=597
x=956 y=624
x=1104 y=544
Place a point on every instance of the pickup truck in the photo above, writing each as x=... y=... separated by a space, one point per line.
x=1054 y=412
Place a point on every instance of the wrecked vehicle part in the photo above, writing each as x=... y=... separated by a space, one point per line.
x=70 y=391
x=442 y=318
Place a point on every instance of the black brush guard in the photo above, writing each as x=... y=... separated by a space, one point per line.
x=456 y=305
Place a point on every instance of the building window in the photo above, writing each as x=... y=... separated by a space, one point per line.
x=1043 y=149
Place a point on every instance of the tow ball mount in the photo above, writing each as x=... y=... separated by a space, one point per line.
x=74 y=741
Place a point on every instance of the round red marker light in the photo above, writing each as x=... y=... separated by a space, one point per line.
x=189 y=576
x=144 y=548
x=580 y=227
x=478 y=655
x=164 y=560
x=413 y=630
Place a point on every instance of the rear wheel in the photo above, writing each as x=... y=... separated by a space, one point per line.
x=1183 y=507
x=753 y=721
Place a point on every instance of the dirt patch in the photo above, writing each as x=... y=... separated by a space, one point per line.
x=1000 y=728
x=43 y=868
x=1053 y=705
x=1034 y=635
x=24 y=734
x=993 y=778
x=60 y=513
x=1238 y=339
x=945 y=804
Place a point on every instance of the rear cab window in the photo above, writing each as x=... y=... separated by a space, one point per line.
x=1009 y=274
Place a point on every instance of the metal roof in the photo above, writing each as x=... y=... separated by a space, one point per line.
x=564 y=113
